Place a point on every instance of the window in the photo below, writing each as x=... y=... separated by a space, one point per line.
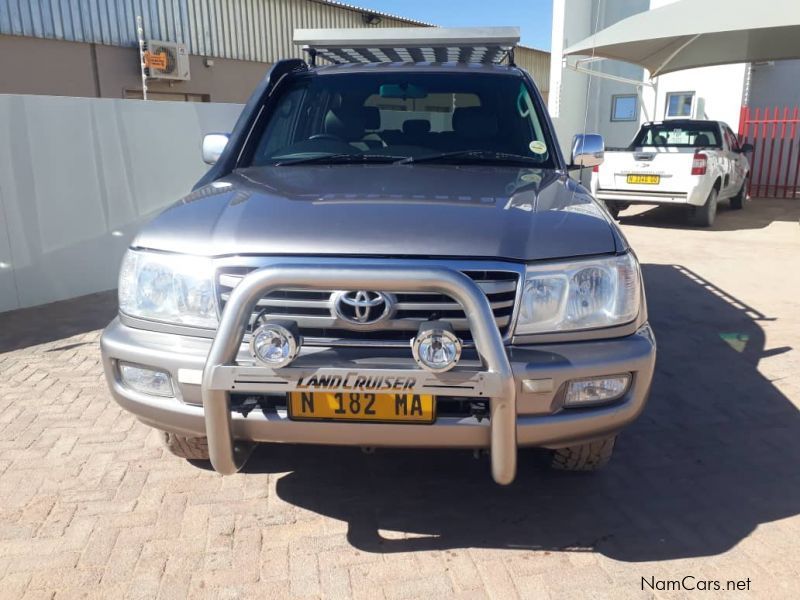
x=435 y=108
x=386 y=116
x=283 y=122
x=624 y=107
x=679 y=104
x=733 y=141
x=679 y=134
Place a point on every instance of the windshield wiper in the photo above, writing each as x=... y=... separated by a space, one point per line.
x=338 y=159
x=488 y=156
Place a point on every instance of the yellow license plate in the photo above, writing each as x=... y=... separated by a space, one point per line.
x=651 y=179
x=349 y=406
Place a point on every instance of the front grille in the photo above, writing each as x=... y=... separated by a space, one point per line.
x=313 y=312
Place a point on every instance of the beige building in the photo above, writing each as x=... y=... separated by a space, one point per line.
x=71 y=49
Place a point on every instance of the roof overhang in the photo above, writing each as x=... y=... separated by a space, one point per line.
x=689 y=34
x=410 y=44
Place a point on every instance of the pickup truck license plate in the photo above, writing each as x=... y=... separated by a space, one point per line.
x=651 y=179
x=387 y=408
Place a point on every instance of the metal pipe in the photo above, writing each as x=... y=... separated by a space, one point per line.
x=578 y=66
x=228 y=457
x=140 y=34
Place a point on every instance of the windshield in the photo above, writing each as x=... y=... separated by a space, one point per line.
x=678 y=135
x=393 y=117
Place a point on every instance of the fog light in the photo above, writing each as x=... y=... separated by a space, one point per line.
x=275 y=344
x=595 y=390
x=146 y=380
x=436 y=348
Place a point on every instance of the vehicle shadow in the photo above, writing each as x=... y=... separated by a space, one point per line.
x=714 y=455
x=57 y=320
x=757 y=214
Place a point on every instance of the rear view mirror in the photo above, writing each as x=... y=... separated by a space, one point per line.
x=587 y=150
x=402 y=90
x=746 y=148
x=213 y=145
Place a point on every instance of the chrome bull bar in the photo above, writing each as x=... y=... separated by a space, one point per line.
x=220 y=371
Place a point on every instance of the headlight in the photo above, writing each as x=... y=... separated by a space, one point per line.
x=174 y=288
x=577 y=295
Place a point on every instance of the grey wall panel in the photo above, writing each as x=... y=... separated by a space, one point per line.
x=10 y=201
x=775 y=83
x=79 y=176
x=8 y=285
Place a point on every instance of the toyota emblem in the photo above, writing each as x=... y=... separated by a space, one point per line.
x=362 y=307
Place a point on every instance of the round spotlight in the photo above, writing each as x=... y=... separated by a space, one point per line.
x=436 y=348
x=275 y=345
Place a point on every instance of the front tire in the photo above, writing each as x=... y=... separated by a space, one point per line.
x=583 y=457
x=703 y=216
x=194 y=448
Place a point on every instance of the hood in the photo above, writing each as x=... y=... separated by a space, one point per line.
x=488 y=212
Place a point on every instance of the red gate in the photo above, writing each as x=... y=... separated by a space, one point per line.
x=775 y=160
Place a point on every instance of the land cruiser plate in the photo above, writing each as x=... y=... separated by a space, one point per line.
x=356 y=406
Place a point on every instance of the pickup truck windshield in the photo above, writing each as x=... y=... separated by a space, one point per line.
x=678 y=135
x=410 y=117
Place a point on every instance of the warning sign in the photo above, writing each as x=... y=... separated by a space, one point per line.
x=155 y=61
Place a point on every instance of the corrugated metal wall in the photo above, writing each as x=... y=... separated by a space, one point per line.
x=537 y=63
x=256 y=30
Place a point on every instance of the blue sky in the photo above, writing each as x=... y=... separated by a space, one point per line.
x=534 y=17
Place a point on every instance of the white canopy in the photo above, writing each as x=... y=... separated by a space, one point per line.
x=692 y=33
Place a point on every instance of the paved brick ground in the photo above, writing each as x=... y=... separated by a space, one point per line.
x=706 y=484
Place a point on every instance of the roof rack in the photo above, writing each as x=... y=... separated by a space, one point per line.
x=487 y=45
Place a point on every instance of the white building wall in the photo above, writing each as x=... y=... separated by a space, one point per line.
x=575 y=111
x=568 y=89
x=79 y=176
x=580 y=102
x=719 y=89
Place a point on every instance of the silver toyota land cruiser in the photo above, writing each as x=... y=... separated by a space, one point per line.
x=387 y=251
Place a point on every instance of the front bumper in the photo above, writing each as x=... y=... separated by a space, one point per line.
x=205 y=372
x=541 y=419
x=642 y=197
x=695 y=196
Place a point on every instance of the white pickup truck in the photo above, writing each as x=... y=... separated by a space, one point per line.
x=678 y=162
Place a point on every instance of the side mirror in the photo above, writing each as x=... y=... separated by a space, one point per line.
x=587 y=150
x=744 y=148
x=213 y=145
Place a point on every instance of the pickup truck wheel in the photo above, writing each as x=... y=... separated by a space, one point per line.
x=195 y=448
x=583 y=457
x=703 y=216
x=737 y=201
